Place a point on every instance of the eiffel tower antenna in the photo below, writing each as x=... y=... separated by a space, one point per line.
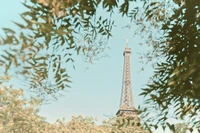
x=126 y=102
x=127 y=42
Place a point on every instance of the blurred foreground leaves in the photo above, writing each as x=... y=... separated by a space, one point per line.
x=174 y=90
x=52 y=33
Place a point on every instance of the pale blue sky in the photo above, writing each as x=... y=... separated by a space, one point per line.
x=95 y=92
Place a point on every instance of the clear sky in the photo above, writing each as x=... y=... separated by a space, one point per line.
x=95 y=91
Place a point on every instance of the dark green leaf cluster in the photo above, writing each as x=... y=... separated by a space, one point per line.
x=176 y=81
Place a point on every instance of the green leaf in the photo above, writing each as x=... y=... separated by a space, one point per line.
x=20 y=25
x=7 y=30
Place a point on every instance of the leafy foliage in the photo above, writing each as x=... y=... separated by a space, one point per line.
x=18 y=114
x=175 y=85
x=149 y=19
x=125 y=124
x=53 y=32
x=181 y=128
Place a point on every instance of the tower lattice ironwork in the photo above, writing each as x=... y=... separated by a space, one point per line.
x=126 y=103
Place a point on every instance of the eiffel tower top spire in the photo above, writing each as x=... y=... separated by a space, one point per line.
x=127 y=42
x=126 y=103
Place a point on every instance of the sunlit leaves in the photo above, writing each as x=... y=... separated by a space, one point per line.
x=181 y=128
x=17 y=113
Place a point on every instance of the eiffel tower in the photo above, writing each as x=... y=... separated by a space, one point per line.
x=126 y=104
